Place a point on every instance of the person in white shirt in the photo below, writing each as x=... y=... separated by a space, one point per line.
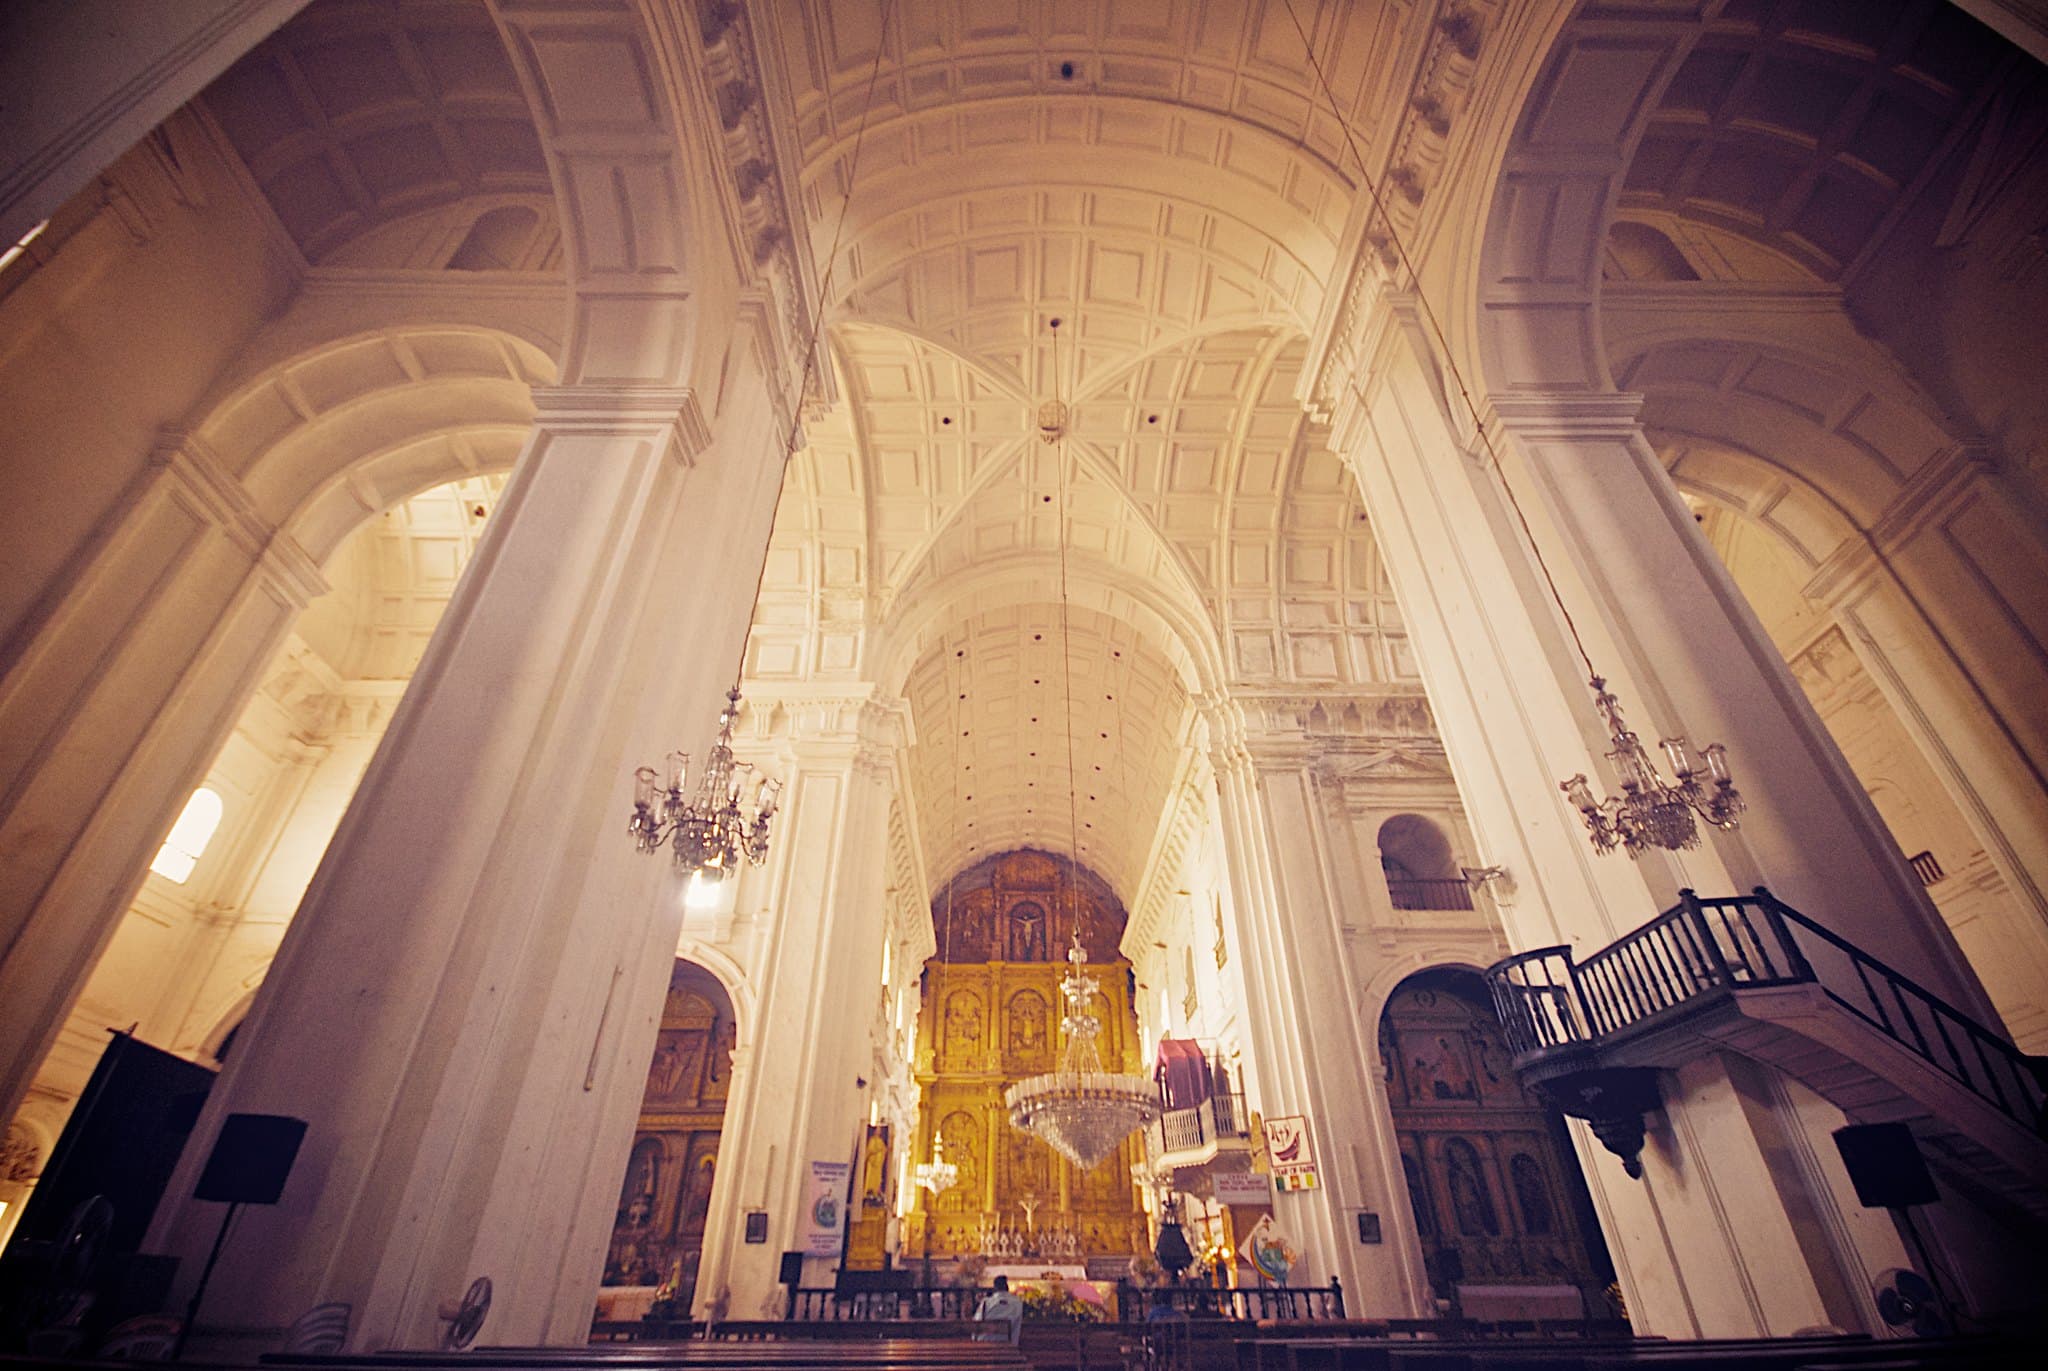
x=999 y=1306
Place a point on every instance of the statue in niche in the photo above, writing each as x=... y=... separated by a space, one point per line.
x=643 y=1174
x=718 y=1077
x=1027 y=933
x=959 y=1132
x=697 y=1199
x=874 y=1168
x=1471 y=1206
x=1532 y=1194
x=963 y=1024
x=1027 y=1024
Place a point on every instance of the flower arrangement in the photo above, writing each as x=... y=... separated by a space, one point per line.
x=1054 y=1303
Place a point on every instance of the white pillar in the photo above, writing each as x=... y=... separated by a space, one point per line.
x=1679 y=630
x=1700 y=1249
x=821 y=1003
x=463 y=1008
x=1306 y=1052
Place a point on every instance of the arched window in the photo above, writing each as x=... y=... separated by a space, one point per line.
x=1471 y=1205
x=1532 y=1195
x=189 y=837
x=1421 y=872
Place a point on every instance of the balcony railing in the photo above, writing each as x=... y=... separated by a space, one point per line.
x=1220 y=1118
x=1704 y=947
x=1415 y=892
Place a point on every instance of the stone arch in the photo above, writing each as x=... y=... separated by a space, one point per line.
x=920 y=619
x=1459 y=1115
x=256 y=492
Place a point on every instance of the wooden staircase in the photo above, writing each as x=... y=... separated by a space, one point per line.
x=1751 y=975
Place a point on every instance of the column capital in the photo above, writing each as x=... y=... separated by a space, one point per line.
x=671 y=415
x=1613 y=415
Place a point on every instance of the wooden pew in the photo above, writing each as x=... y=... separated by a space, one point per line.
x=872 y=1354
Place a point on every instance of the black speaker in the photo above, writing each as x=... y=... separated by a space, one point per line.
x=792 y=1268
x=1885 y=1165
x=251 y=1158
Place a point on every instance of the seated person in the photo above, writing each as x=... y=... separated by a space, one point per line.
x=999 y=1306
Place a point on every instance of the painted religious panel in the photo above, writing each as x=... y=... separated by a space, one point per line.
x=665 y=1195
x=1494 y=1190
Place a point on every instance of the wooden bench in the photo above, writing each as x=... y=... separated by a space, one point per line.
x=873 y=1354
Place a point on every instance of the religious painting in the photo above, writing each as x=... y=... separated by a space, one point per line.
x=665 y=1196
x=1492 y=1185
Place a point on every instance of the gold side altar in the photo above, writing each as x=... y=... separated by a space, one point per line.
x=990 y=1018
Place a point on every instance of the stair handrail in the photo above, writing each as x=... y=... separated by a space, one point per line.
x=1549 y=1001
x=2014 y=1068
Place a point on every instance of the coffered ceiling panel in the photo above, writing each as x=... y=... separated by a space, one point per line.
x=358 y=113
x=1810 y=124
x=1008 y=707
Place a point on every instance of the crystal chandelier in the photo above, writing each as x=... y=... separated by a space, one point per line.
x=937 y=1175
x=1650 y=812
x=1080 y=1110
x=712 y=829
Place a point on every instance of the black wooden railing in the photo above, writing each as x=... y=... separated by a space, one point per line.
x=1701 y=947
x=958 y=1302
x=1415 y=892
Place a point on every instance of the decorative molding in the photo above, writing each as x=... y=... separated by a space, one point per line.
x=670 y=414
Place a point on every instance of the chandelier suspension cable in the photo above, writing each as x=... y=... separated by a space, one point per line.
x=710 y=831
x=1649 y=813
x=1083 y=1108
x=1066 y=644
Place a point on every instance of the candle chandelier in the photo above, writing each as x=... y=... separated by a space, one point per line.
x=721 y=823
x=726 y=819
x=937 y=1175
x=1651 y=812
x=1079 y=1109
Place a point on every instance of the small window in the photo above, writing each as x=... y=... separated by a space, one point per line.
x=189 y=837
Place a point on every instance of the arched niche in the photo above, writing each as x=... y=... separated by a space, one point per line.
x=1492 y=1183
x=671 y=1167
x=1421 y=870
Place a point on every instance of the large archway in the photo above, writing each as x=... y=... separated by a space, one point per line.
x=1496 y=1193
x=665 y=1197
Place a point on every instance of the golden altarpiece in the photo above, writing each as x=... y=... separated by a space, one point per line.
x=991 y=1017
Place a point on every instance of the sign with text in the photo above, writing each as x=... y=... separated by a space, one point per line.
x=825 y=1208
x=1290 y=1154
x=1242 y=1187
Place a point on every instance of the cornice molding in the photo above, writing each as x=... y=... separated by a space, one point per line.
x=669 y=414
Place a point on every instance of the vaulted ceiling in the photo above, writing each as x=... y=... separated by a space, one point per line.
x=1135 y=211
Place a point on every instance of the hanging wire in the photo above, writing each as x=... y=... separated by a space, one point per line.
x=1429 y=315
x=1066 y=643
x=794 y=433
